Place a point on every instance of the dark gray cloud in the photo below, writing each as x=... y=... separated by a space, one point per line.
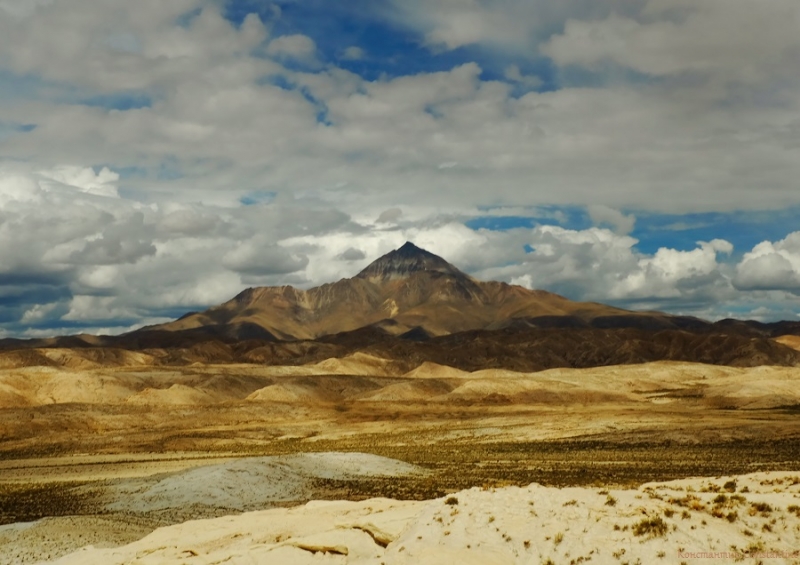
x=352 y=254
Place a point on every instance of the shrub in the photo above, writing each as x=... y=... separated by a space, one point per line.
x=654 y=527
x=762 y=507
x=452 y=501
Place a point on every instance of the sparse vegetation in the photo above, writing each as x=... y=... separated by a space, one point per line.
x=653 y=527
x=760 y=507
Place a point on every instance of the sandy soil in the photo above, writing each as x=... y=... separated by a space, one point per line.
x=362 y=377
x=753 y=516
x=107 y=454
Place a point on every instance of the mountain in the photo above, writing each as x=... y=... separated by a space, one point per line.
x=410 y=307
x=408 y=292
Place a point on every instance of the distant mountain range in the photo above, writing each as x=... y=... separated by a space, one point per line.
x=411 y=306
x=408 y=292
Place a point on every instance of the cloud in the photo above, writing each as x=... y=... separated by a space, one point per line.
x=390 y=216
x=353 y=53
x=650 y=107
x=102 y=183
x=257 y=257
x=352 y=254
x=597 y=264
x=297 y=47
x=698 y=40
x=514 y=26
x=217 y=126
x=513 y=74
x=603 y=215
x=771 y=266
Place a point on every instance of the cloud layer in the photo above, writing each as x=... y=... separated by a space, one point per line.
x=158 y=157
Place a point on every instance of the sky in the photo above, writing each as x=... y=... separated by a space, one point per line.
x=159 y=157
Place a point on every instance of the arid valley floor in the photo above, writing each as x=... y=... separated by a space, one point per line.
x=103 y=454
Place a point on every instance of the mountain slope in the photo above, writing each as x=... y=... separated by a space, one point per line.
x=408 y=289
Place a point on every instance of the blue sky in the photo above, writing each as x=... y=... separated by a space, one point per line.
x=157 y=158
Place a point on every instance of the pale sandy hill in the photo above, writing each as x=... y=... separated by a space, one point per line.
x=498 y=374
x=66 y=387
x=657 y=523
x=77 y=358
x=359 y=378
x=414 y=391
x=23 y=358
x=792 y=341
x=290 y=371
x=316 y=388
x=286 y=392
x=760 y=388
x=68 y=358
x=33 y=386
x=176 y=394
x=246 y=484
x=356 y=364
x=430 y=370
x=10 y=396
x=532 y=391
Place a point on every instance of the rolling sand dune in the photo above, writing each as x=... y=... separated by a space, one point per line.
x=245 y=484
x=792 y=341
x=728 y=517
x=409 y=391
x=286 y=393
x=429 y=370
x=531 y=390
x=79 y=358
x=49 y=385
x=321 y=388
x=337 y=380
x=356 y=364
x=176 y=394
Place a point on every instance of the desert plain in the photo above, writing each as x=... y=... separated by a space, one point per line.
x=120 y=459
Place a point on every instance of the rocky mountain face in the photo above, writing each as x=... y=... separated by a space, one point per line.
x=406 y=290
x=411 y=306
x=405 y=262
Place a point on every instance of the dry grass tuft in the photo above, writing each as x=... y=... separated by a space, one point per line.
x=653 y=527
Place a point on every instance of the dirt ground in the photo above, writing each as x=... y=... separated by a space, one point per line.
x=621 y=426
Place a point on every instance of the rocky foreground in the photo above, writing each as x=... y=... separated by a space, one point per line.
x=692 y=520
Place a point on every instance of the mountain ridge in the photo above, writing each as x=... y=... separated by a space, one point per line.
x=404 y=290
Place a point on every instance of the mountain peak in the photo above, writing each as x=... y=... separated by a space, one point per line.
x=404 y=261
